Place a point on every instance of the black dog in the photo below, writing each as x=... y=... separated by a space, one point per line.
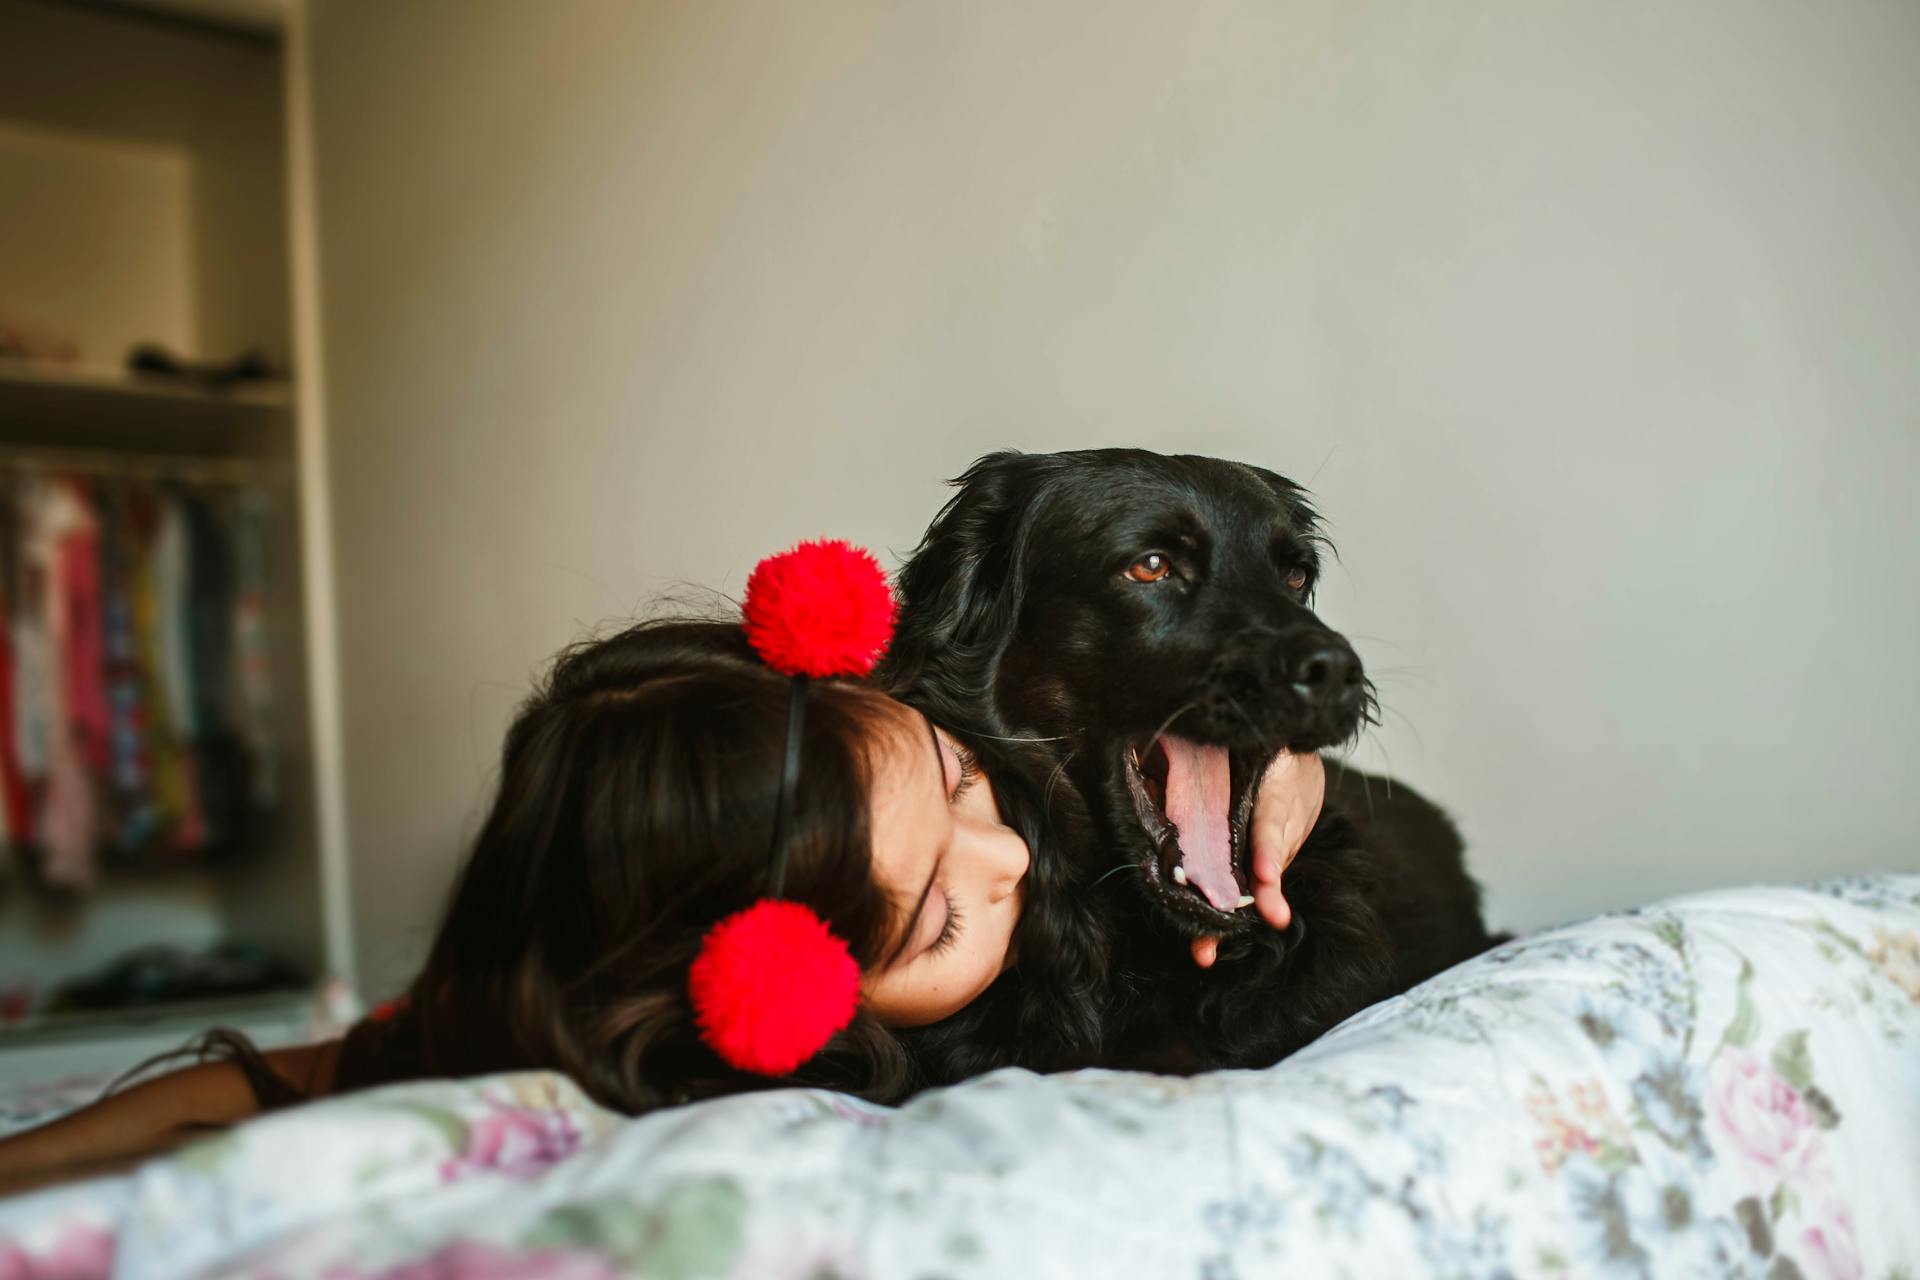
x=1126 y=639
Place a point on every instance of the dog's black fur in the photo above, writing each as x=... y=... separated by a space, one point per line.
x=1023 y=631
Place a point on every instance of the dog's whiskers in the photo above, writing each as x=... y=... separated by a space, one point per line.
x=1387 y=776
x=1053 y=780
x=1235 y=704
x=1424 y=674
x=1341 y=761
x=1357 y=635
x=1404 y=720
x=1168 y=722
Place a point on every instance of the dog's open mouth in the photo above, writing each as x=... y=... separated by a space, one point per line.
x=1195 y=803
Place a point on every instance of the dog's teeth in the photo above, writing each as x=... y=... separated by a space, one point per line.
x=1179 y=875
x=1246 y=900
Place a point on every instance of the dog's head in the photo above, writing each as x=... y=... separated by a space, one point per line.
x=1149 y=616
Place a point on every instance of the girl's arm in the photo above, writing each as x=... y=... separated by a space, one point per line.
x=154 y=1117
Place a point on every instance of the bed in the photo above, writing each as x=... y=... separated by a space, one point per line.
x=1726 y=1084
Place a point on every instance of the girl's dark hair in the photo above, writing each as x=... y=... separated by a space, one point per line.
x=635 y=810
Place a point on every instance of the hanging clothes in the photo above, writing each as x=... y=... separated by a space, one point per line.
x=36 y=698
x=165 y=785
x=253 y=667
x=171 y=565
x=219 y=756
x=82 y=658
x=59 y=539
x=136 y=717
x=126 y=521
x=15 y=806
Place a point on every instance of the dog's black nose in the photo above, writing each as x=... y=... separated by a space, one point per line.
x=1326 y=673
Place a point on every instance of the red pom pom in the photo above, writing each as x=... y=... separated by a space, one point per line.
x=771 y=985
x=821 y=609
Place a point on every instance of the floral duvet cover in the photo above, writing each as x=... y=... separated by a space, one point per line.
x=1721 y=1085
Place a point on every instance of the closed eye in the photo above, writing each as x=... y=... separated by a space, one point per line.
x=969 y=769
x=949 y=932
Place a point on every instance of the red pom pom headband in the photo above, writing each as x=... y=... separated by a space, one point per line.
x=772 y=984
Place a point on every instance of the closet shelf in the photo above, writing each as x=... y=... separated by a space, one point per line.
x=83 y=1046
x=182 y=1017
x=109 y=381
x=79 y=406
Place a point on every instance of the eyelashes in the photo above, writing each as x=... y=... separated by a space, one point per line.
x=969 y=774
x=949 y=932
x=969 y=769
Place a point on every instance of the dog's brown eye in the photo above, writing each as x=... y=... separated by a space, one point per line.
x=1150 y=568
x=1297 y=579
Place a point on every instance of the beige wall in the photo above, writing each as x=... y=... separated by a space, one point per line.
x=1592 y=325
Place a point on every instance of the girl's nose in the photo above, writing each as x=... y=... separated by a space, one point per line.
x=1005 y=858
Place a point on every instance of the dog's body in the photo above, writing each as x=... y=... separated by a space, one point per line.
x=1125 y=637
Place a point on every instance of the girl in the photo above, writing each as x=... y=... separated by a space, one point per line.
x=638 y=786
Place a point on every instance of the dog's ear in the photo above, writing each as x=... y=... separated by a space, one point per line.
x=1300 y=513
x=962 y=589
x=1294 y=499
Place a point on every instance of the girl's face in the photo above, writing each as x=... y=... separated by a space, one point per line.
x=942 y=854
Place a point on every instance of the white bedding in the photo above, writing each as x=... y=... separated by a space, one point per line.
x=1720 y=1085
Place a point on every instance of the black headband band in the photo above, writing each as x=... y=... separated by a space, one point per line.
x=789 y=783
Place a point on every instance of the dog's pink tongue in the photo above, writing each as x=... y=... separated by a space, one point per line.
x=1199 y=795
